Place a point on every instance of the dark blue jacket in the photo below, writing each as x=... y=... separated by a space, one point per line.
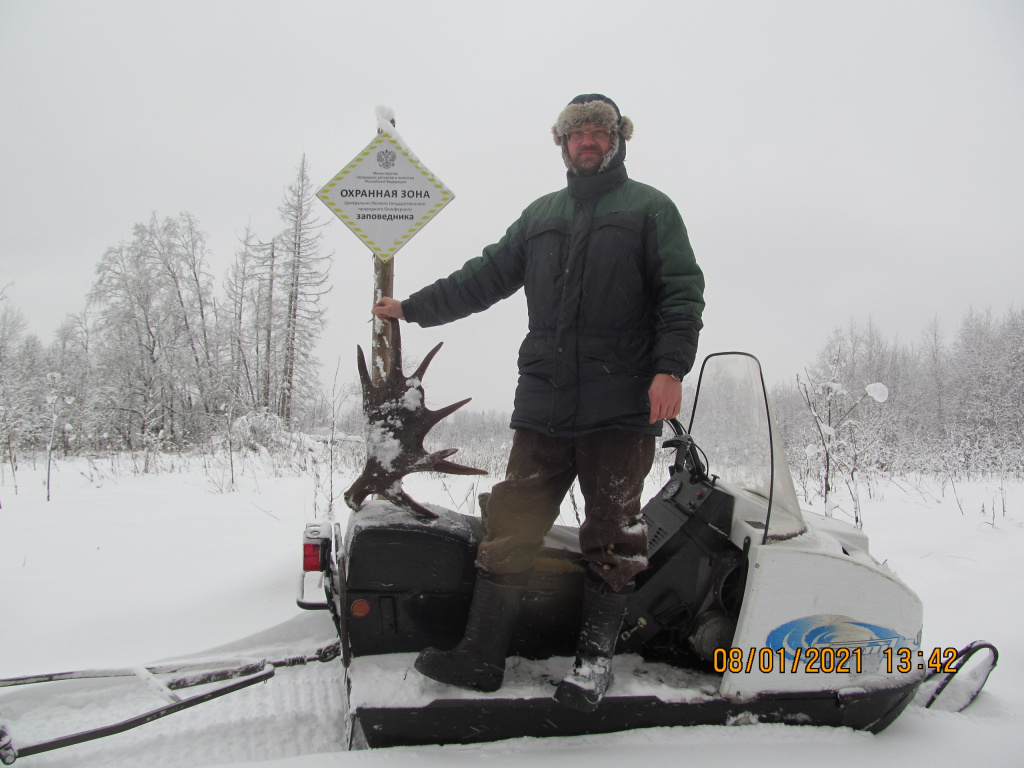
x=614 y=296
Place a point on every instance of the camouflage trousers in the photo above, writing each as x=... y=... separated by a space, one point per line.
x=611 y=466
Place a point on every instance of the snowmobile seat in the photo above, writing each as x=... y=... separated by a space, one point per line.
x=409 y=583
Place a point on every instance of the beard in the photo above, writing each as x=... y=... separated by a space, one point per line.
x=589 y=163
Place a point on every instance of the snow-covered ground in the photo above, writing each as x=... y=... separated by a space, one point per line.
x=123 y=569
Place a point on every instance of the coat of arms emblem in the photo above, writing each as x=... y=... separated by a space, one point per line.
x=386 y=158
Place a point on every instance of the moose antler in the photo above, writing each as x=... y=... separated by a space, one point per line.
x=397 y=421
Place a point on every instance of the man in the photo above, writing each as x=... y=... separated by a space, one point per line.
x=615 y=297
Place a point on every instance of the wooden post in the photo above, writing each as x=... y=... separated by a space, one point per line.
x=383 y=285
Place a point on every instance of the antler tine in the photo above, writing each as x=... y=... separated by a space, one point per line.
x=426 y=361
x=433 y=417
x=356 y=494
x=364 y=378
x=437 y=462
x=457 y=469
x=364 y=374
x=430 y=460
x=402 y=499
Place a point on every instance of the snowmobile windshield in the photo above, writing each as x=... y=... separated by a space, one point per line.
x=732 y=423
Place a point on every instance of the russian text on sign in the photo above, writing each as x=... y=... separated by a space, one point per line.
x=385 y=195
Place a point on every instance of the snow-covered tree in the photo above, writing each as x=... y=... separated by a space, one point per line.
x=242 y=290
x=987 y=363
x=12 y=328
x=850 y=440
x=305 y=272
x=179 y=249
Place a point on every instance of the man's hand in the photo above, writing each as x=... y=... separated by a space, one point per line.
x=387 y=308
x=666 y=396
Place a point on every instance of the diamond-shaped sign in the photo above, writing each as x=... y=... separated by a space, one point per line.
x=385 y=195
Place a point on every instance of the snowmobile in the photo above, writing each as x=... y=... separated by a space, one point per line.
x=751 y=610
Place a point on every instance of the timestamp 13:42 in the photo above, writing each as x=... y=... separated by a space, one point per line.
x=904 y=660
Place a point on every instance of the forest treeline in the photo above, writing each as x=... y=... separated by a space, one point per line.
x=866 y=408
x=952 y=408
x=159 y=358
x=162 y=358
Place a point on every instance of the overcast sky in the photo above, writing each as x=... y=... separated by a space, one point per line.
x=832 y=160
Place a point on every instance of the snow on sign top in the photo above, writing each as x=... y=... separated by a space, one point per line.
x=385 y=195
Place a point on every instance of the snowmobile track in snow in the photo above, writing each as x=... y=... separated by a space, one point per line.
x=300 y=710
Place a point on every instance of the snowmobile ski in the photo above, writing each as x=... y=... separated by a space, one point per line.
x=957 y=684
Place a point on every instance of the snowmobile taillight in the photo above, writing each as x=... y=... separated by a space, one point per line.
x=360 y=608
x=311 y=557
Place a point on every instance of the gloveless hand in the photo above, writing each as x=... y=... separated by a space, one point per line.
x=666 y=396
x=387 y=308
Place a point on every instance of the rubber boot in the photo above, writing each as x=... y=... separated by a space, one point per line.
x=478 y=662
x=591 y=674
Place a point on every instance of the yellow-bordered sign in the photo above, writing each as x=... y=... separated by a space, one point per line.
x=385 y=195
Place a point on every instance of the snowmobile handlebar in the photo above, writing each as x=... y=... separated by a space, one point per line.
x=687 y=453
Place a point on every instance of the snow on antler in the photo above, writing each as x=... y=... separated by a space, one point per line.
x=397 y=421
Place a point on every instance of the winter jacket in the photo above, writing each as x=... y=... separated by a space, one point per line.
x=614 y=296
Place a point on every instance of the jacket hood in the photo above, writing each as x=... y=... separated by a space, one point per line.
x=596 y=109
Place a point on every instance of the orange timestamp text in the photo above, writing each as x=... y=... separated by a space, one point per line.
x=823 y=659
x=828 y=660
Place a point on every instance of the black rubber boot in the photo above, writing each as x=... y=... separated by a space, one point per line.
x=591 y=674
x=478 y=662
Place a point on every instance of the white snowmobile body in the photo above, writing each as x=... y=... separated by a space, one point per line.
x=750 y=611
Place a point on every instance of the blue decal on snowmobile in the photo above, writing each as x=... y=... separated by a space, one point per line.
x=827 y=630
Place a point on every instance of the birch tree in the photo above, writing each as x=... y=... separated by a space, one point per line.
x=178 y=248
x=133 y=338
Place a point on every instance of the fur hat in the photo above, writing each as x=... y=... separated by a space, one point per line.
x=596 y=109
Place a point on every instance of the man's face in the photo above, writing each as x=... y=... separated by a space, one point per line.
x=588 y=144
